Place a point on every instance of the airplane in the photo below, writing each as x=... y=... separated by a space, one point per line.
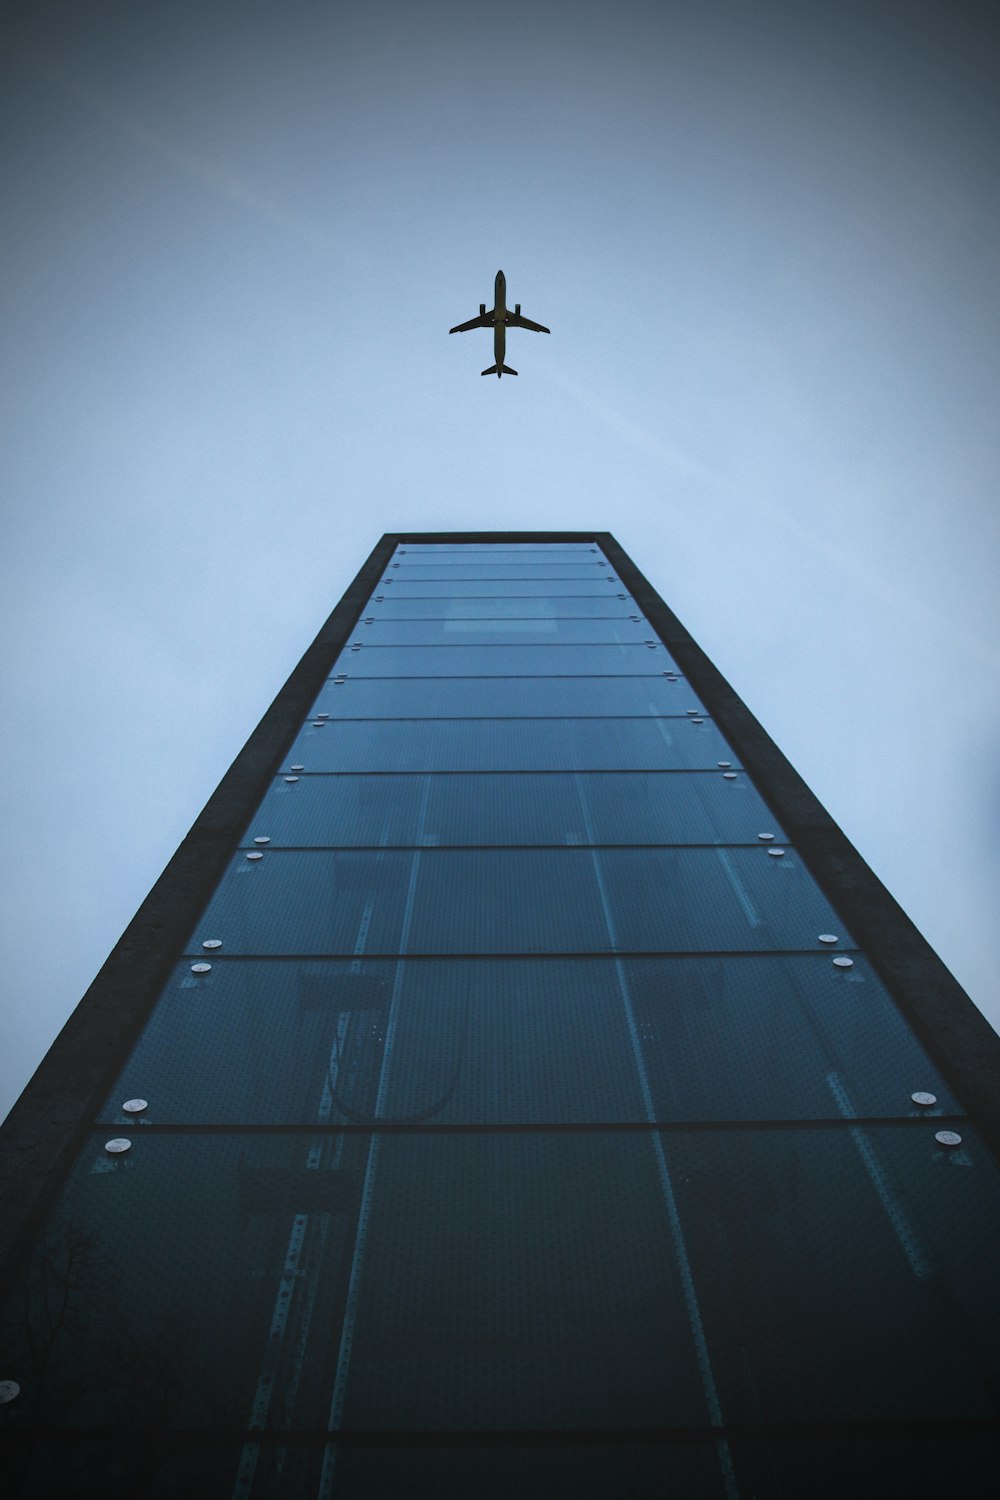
x=499 y=320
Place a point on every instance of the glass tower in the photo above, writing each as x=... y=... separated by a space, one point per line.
x=516 y=1085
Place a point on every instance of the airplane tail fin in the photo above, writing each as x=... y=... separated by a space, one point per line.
x=502 y=370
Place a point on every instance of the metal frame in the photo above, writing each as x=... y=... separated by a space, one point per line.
x=48 y=1125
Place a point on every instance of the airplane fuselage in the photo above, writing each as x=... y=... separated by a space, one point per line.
x=499 y=319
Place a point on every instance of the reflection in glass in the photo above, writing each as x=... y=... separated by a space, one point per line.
x=511 y=745
x=523 y=1041
x=506 y=660
x=504 y=697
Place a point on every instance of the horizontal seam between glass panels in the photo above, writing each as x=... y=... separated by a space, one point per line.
x=486 y=719
x=530 y=771
x=542 y=1127
x=520 y=677
x=623 y=1438
x=491 y=955
x=426 y=619
x=523 y=848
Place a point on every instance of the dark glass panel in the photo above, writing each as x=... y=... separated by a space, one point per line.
x=149 y=1467
x=832 y=1465
x=505 y=660
x=195 y=1282
x=501 y=587
x=308 y=903
x=508 y=745
x=519 y=1281
x=843 y=1274
x=504 y=697
x=517 y=808
x=511 y=631
x=515 y=901
x=521 y=608
x=688 y=1470
x=523 y=1040
x=507 y=1041
x=774 y=1037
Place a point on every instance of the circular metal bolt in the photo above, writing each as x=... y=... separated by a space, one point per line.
x=135 y=1106
x=697 y=721
x=212 y=943
x=776 y=853
x=318 y=723
x=201 y=968
x=254 y=855
x=924 y=1099
x=948 y=1138
x=729 y=775
x=723 y=764
x=766 y=838
x=828 y=937
x=322 y=716
x=290 y=779
x=262 y=838
x=843 y=962
x=118 y=1145
x=692 y=711
x=9 y=1391
x=296 y=768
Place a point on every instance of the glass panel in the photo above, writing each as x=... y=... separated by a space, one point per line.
x=504 y=660
x=843 y=1274
x=196 y=1281
x=477 y=588
x=515 y=1041
x=204 y=1277
x=486 y=1297
x=501 y=697
x=497 y=549
x=508 y=745
x=711 y=900
x=593 y=608
x=469 y=567
x=537 y=632
x=513 y=808
x=920 y=1461
x=262 y=1469
x=774 y=1037
x=516 y=901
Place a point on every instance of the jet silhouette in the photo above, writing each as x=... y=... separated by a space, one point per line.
x=500 y=319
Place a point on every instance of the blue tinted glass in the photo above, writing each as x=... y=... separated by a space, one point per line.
x=505 y=697
x=511 y=1041
x=513 y=808
x=468 y=567
x=852 y=1263
x=587 y=608
x=501 y=587
x=506 y=631
x=509 y=745
x=505 y=660
x=516 y=901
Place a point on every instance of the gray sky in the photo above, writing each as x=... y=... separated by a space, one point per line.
x=765 y=239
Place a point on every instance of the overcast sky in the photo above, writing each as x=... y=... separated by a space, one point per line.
x=765 y=238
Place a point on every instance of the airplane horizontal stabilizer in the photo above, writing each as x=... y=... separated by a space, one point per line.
x=503 y=370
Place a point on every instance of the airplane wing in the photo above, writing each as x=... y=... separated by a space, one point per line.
x=515 y=320
x=472 y=323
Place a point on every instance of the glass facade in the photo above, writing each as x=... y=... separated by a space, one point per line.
x=519 y=1119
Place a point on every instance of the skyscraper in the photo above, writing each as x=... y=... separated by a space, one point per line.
x=516 y=1084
